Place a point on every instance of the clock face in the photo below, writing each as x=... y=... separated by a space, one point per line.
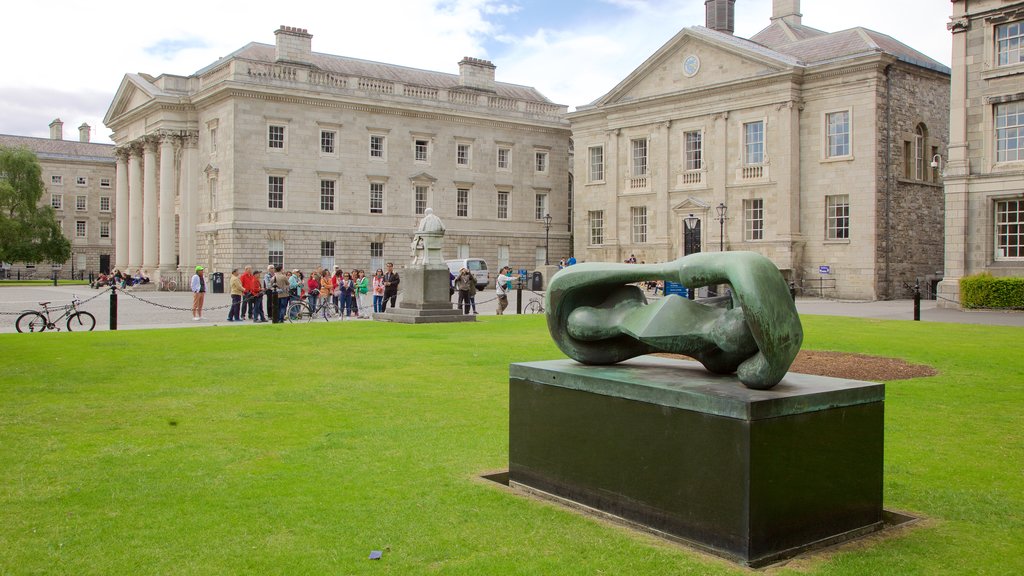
x=691 y=65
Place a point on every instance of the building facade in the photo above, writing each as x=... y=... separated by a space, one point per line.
x=280 y=154
x=79 y=181
x=811 y=148
x=984 y=174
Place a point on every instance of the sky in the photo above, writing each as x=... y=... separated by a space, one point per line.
x=66 y=58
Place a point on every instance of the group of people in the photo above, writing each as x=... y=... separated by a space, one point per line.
x=121 y=279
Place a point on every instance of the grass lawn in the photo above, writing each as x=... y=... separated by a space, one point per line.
x=287 y=449
x=43 y=282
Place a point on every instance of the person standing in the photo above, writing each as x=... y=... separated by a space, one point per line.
x=280 y=284
x=391 y=281
x=255 y=297
x=464 y=282
x=348 y=296
x=198 y=285
x=313 y=290
x=362 y=293
x=247 y=281
x=378 y=291
x=268 y=281
x=501 y=286
x=237 y=291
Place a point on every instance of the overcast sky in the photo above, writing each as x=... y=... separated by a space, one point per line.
x=66 y=58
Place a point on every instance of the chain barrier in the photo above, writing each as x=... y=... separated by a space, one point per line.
x=81 y=303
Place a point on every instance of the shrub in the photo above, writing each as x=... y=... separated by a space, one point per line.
x=986 y=291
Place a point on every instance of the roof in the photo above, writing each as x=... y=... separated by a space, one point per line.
x=50 y=149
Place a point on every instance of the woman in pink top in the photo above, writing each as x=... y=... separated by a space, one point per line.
x=378 y=290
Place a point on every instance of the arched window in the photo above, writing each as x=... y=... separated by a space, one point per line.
x=920 y=138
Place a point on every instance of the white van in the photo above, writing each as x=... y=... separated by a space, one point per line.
x=475 y=265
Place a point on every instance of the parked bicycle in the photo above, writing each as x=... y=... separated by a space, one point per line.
x=168 y=284
x=299 y=310
x=35 y=321
x=534 y=306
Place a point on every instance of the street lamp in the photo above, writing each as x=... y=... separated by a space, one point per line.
x=722 y=209
x=547 y=238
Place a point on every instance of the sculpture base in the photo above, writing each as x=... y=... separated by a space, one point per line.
x=754 y=476
x=425 y=299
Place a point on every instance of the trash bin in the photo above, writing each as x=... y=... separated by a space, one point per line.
x=538 y=281
x=217 y=279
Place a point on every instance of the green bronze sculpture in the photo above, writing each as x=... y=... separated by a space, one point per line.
x=596 y=315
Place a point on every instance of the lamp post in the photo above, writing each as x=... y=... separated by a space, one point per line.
x=722 y=210
x=547 y=238
x=691 y=243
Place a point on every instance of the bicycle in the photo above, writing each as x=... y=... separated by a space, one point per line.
x=300 y=311
x=168 y=285
x=534 y=306
x=35 y=321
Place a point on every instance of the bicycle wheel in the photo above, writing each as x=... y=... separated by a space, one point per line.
x=534 y=307
x=81 y=322
x=171 y=286
x=327 y=311
x=298 y=312
x=31 y=322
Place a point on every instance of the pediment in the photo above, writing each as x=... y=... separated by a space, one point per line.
x=134 y=92
x=423 y=177
x=691 y=204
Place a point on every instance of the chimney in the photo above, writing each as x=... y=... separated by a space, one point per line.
x=721 y=15
x=476 y=73
x=294 y=45
x=56 y=129
x=787 y=10
x=83 y=132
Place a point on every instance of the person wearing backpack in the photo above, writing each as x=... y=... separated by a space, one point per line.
x=501 y=286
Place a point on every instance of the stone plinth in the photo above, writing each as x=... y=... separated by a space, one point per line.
x=425 y=299
x=754 y=476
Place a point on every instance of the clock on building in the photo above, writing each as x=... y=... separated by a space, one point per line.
x=691 y=65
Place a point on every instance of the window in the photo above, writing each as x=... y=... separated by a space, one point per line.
x=57 y=180
x=503 y=255
x=502 y=205
x=837 y=217
x=919 y=138
x=275 y=136
x=540 y=163
x=104 y=203
x=596 y=163
x=80 y=229
x=1009 y=229
x=327 y=254
x=421 y=200
x=462 y=154
x=57 y=201
x=837 y=134
x=540 y=205
x=420 y=148
x=275 y=252
x=376 y=255
x=504 y=158
x=81 y=202
x=1010 y=132
x=596 y=218
x=275 y=192
x=753 y=219
x=376 y=197
x=639 y=147
x=81 y=181
x=327 y=139
x=377 y=146
x=104 y=182
x=1009 y=41
x=327 y=188
x=213 y=140
x=693 y=144
x=104 y=229
x=753 y=143
x=638 y=216
x=462 y=202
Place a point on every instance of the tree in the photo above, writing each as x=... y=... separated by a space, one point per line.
x=28 y=232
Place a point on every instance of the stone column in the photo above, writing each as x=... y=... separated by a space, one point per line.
x=788 y=178
x=614 y=176
x=957 y=168
x=135 y=208
x=121 y=209
x=188 y=208
x=662 y=229
x=149 y=207
x=167 y=231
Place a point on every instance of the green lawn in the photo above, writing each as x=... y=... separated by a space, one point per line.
x=43 y=282
x=287 y=449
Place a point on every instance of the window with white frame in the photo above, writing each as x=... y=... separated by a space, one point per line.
x=920 y=135
x=328 y=139
x=377 y=147
x=596 y=163
x=837 y=134
x=376 y=255
x=81 y=202
x=104 y=203
x=1010 y=43
x=540 y=161
x=1009 y=229
x=503 y=204
x=327 y=193
x=376 y=197
x=639 y=147
x=1010 y=131
x=638 y=216
x=57 y=180
x=693 y=149
x=753 y=143
x=327 y=254
x=80 y=228
x=275 y=252
x=462 y=202
x=503 y=255
x=57 y=201
x=504 y=158
x=421 y=149
x=463 y=154
x=104 y=229
x=837 y=217
x=596 y=219
x=213 y=140
x=753 y=219
x=275 y=192
x=540 y=206
x=104 y=182
x=275 y=136
x=420 y=193
x=81 y=181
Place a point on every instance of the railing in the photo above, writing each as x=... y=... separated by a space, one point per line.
x=752 y=172
x=419 y=92
x=691 y=178
x=463 y=98
x=501 y=103
x=637 y=183
x=375 y=85
x=273 y=71
x=326 y=79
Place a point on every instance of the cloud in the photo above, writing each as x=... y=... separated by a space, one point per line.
x=29 y=111
x=168 y=48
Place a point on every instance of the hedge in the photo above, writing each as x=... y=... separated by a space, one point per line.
x=986 y=291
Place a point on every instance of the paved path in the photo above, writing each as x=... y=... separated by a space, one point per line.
x=172 y=309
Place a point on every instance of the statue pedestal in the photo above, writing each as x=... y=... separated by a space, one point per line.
x=755 y=476
x=425 y=299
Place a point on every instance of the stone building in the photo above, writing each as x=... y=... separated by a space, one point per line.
x=815 y=145
x=79 y=181
x=984 y=174
x=278 y=153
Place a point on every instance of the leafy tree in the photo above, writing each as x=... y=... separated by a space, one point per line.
x=29 y=232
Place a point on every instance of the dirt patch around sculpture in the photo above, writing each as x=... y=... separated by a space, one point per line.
x=853 y=366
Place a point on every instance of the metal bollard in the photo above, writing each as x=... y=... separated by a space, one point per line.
x=113 y=307
x=519 y=298
x=55 y=278
x=792 y=291
x=917 y=300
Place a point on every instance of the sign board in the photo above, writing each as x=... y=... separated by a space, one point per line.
x=824 y=269
x=675 y=288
